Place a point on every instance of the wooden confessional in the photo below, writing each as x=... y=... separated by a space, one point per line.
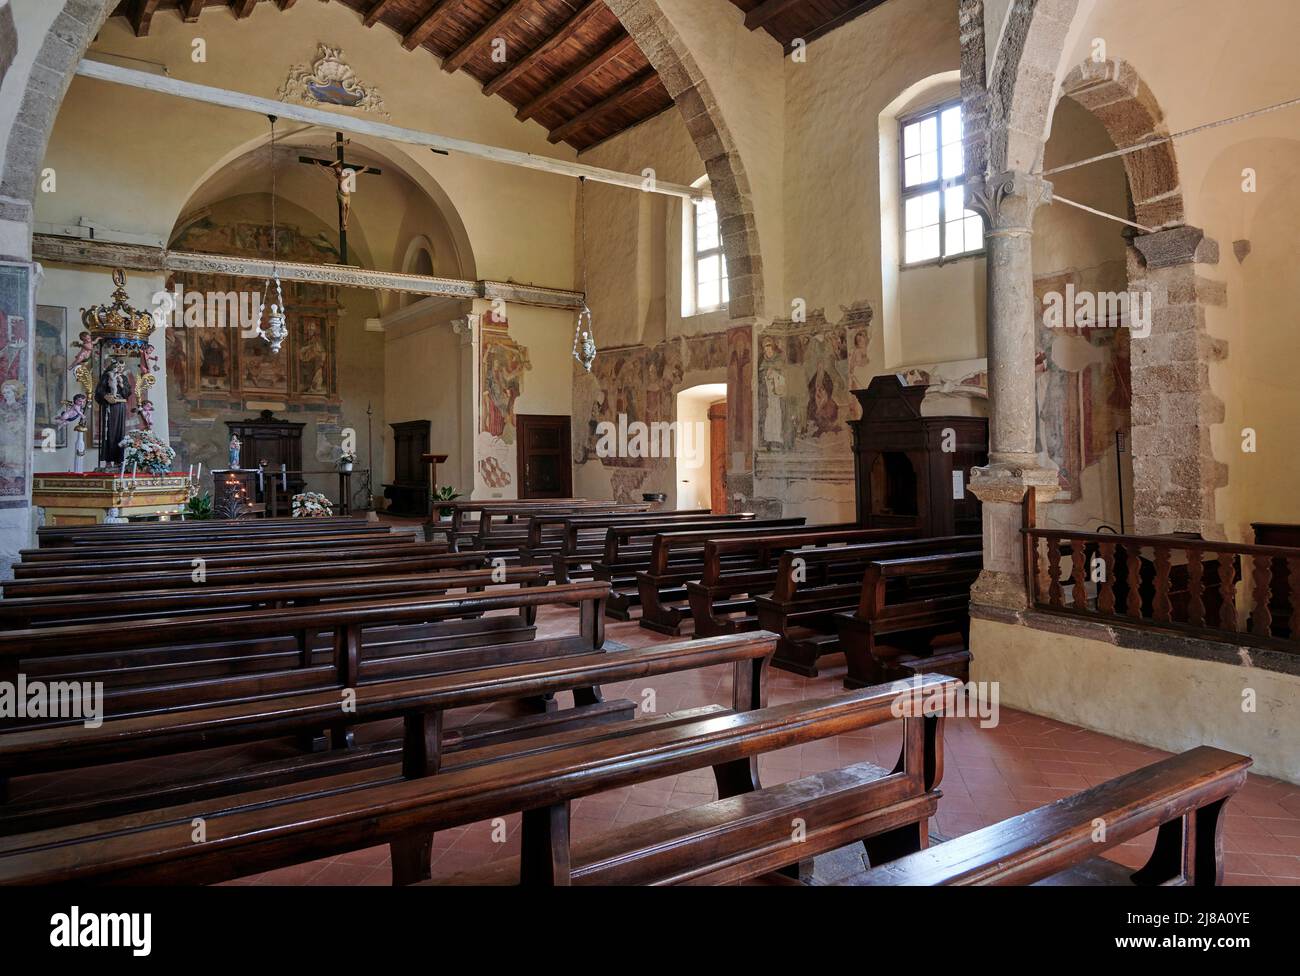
x=915 y=470
x=408 y=494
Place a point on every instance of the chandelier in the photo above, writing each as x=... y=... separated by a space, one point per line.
x=584 y=335
x=276 y=330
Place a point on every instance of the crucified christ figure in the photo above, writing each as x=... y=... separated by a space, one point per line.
x=345 y=180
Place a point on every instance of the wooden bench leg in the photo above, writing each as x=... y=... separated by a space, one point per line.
x=896 y=843
x=412 y=854
x=737 y=777
x=590 y=695
x=1190 y=848
x=544 y=847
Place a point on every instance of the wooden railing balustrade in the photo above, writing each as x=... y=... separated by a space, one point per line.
x=1243 y=593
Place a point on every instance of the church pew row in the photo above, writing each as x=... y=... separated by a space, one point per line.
x=905 y=604
x=70 y=555
x=208 y=658
x=583 y=540
x=679 y=559
x=128 y=605
x=55 y=536
x=458 y=531
x=164 y=561
x=628 y=551
x=390 y=563
x=504 y=531
x=582 y=536
x=809 y=594
x=744 y=834
x=1182 y=798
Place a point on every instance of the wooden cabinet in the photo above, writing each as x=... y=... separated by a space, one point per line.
x=915 y=470
x=408 y=494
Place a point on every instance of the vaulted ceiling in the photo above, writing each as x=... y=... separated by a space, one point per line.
x=570 y=64
x=806 y=20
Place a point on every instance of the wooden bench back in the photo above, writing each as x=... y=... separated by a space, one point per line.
x=765 y=549
x=788 y=587
x=670 y=544
x=952 y=571
x=70 y=555
x=556 y=527
x=106 y=533
x=618 y=537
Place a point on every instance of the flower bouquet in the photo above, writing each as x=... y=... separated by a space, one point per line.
x=143 y=449
x=311 y=504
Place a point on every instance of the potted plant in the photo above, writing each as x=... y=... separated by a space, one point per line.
x=346 y=460
x=198 y=508
x=311 y=504
x=445 y=493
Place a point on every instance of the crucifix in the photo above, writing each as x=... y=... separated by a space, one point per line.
x=344 y=175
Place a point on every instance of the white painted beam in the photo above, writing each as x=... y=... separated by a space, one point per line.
x=133 y=78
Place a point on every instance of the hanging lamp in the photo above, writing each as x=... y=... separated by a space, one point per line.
x=276 y=330
x=584 y=338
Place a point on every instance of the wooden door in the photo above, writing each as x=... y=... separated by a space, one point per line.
x=545 y=460
x=718 y=456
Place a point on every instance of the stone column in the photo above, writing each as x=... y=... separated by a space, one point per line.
x=1175 y=474
x=1007 y=203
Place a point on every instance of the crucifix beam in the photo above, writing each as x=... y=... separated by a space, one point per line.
x=162 y=84
x=566 y=30
x=457 y=58
x=576 y=77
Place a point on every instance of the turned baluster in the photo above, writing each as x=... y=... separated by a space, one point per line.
x=1079 y=573
x=1228 y=590
x=1195 y=588
x=1261 y=618
x=1106 y=591
x=1054 y=595
x=1134 y=608
x=1160 y=605
x=1293 y=585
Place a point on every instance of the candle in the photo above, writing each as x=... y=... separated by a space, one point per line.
x=133 y=468
x=122 y=473
x=200 y=476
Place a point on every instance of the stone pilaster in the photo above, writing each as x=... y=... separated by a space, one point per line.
x=1175 y=474
x=1007 y=204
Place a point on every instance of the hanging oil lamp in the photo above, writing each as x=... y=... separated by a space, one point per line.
x=584 y=336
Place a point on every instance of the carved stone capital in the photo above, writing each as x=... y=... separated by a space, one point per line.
x=1007 y=202
x=1177 y=246
x=1006 y=478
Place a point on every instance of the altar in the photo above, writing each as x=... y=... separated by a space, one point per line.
x=85 y=499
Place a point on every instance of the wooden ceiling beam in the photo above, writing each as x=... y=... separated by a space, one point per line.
x=562 y=34
x=190 y=11
x=286 y=4
x=243 y=8
x=645 y=82
x=457 y=58
x=376 y=10
x=142 y=12
x=576 y=77
x=768 y=11
x=427 y=25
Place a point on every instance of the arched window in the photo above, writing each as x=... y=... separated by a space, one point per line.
x=704 y=279
x=936 y=223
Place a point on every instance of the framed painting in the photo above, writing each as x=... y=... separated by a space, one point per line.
x=312 y=355
x=17 y=308
x=49 y=372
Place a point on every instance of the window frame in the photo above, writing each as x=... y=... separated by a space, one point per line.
x=696 y=255
x=938 y=185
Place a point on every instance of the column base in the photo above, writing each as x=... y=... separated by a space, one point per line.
x=1002 y=485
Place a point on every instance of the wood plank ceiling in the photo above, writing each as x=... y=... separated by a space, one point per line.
x=569 y=64
x=808 y=20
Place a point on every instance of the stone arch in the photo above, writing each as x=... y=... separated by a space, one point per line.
x=690 y=91
x=1118 y=97
x=65 y=44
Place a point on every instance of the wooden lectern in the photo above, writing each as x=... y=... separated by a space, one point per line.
x=433 y=460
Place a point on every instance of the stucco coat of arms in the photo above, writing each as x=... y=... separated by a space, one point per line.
x=329 y=80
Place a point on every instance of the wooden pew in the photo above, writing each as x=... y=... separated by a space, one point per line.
x=392 y=562
x=802 y=607
x=552 y=534
x=909 y=602
x=736 y=570
x=504 y=532
x=628 y=551
x=184 y=563
x=208 y=658
x=745 y=834
x=457 y=531
x=44 y=611
x=581 y=541
x=50 y=537
x=1182 y=797
x=72 y=555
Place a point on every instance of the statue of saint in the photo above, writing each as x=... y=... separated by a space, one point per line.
x=111 y=394
x=234 y=451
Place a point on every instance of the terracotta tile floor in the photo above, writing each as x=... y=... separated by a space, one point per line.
x=989 y=774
